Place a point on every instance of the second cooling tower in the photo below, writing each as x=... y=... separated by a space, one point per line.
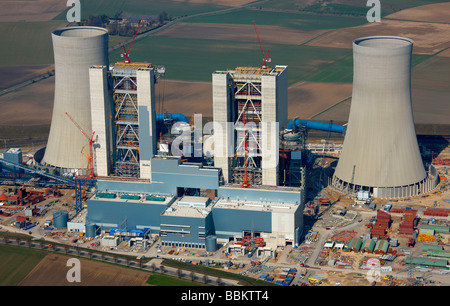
x=75 y=50
x=380 y=152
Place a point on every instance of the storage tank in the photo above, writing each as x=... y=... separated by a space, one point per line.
x=75 y=49
x=211 y=243
x=91 y=229
x=60 y=218
x=380 y=151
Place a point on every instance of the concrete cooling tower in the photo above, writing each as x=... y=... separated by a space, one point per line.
x=76 y=49
x=380 y=152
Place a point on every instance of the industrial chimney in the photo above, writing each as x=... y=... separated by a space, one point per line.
x=76 y=49
x=380 y=152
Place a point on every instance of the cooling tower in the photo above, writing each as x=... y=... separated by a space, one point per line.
x=380 y=152
x=75 y=50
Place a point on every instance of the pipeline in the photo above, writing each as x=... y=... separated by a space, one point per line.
x=173 y=116
x=314 y=125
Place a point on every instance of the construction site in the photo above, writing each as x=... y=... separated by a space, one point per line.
x=366 y=203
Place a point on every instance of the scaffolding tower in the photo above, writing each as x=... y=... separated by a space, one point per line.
x=126 y=119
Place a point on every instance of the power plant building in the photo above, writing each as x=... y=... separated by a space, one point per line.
x=124 y=119
x=249 y=109
x=169 y=198
x=380 y=152
x=185 y=201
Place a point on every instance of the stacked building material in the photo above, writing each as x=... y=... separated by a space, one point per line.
x=397 y=210
x=382 y=224
x=407 y=225
x=344 y=236
x=441 y=162
x=441 y=212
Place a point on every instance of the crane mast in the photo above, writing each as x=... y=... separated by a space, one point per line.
x=90 y=170
x=266 y=58
x=126 y=53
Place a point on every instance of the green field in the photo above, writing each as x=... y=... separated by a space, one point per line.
x=163 y=280
x=196 y=59
x=346 y=6
x=284 y=19
x=16 y=263
x=140 y=7
x=27 y=43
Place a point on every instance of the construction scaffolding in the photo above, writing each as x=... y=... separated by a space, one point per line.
x=247 y=105
x=126 y=119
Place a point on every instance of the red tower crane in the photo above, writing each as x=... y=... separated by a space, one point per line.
x=126 y=53
x=266 y=58
x=90 y=158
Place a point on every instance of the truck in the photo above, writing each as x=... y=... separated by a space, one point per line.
x=387 y=207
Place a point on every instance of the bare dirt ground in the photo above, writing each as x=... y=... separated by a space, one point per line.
x=184 y=97
x=307 y=99
x=429 y=38
x=438 y=12
x=37 y=10
x=445 y=53
x=52 y=271
x=30 y=105
x=429 y=107
x=13 y=75
x=239 y=32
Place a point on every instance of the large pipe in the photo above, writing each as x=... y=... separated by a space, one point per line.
x=173 y=116
x=314 y=125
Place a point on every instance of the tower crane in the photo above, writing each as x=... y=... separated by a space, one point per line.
x=90 y=157
x=266 y=58
x=126 y=53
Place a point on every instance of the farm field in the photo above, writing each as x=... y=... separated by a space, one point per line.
x=10 y=76
x=196 y=59
x=429 y=38
x=437 y=12
x=173 y=8
x=240 y=32
x=30 y=105
x=387 y=7
x=27 y=43
x=429 y=90
x=16 y=263
x=294 y=20
x=36 y=10
x=52 y=271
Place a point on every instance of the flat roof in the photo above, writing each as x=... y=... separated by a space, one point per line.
x=187 y=211
x=142 y=199
x=254 y=72
x=264 y=187
x=255 y=205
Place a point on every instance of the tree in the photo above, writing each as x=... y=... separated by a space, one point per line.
x=163 y=16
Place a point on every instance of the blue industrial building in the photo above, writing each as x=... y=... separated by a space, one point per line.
x=189 y=220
